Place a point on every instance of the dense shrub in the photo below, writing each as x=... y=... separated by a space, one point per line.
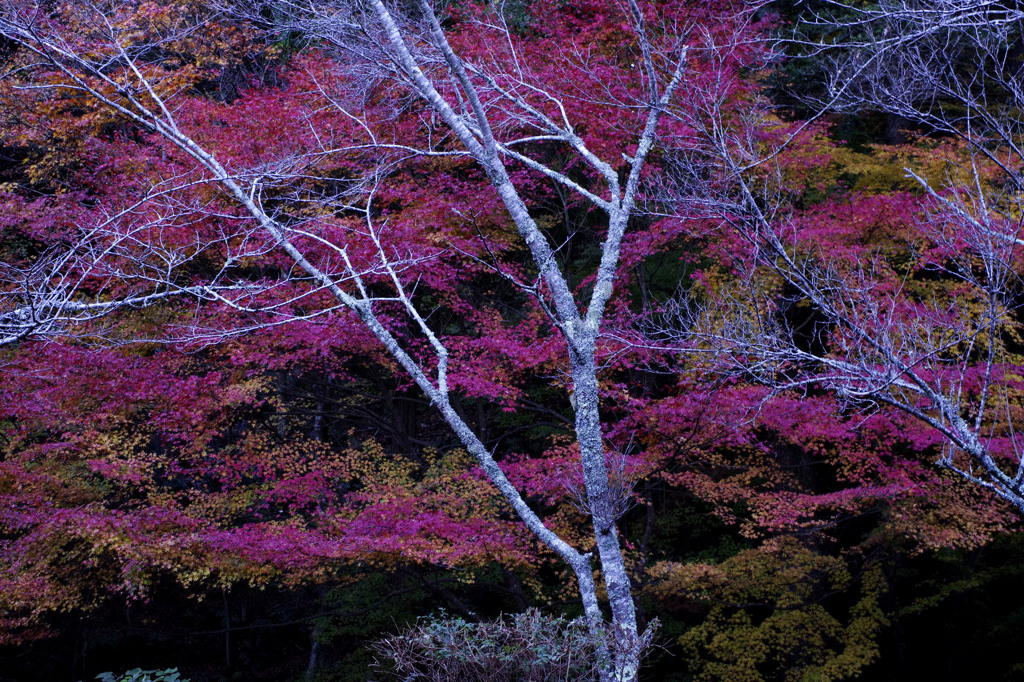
x=525 y=647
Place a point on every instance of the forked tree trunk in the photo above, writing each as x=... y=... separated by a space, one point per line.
x=466 y=116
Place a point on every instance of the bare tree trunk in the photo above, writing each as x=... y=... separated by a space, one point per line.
x=228 y=663
x=603 y=512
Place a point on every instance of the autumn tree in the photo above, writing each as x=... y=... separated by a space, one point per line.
x=296 y=227
x=288 y=447
x=924 y=320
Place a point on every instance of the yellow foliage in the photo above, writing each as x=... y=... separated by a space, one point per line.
x=768 y=616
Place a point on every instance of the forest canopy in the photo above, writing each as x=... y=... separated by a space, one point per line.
x=657 y=339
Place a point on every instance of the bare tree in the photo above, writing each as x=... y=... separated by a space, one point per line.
x=868 y=331
x=39 y=299
x=72 y=286
x=484 y=113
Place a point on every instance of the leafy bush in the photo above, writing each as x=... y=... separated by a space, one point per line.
x=525 y=647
